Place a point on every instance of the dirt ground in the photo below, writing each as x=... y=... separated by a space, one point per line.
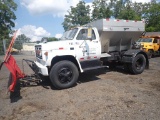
x=99 y=95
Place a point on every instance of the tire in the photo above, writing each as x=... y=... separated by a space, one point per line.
x=138 y=65
x=64 y=74
x=150 y=54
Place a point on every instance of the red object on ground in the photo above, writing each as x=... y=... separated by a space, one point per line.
x=15 y=71
x=12 y=66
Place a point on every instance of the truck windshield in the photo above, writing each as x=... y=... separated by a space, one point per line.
x=146 y=40
x=69 y=35
x=139 y=40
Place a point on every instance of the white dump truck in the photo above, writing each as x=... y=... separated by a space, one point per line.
x=101 y=43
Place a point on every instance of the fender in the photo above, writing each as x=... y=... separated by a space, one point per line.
x=129 y=56
x=69 y=58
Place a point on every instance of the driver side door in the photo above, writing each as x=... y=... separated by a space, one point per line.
x=87 y=49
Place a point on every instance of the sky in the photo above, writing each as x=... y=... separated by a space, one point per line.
x=43 y=18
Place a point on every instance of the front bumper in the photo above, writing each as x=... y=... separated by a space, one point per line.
x=145 y=49
x=42 y=69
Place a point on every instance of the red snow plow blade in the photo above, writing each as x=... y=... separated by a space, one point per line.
x=15 y=71
x=12 y=66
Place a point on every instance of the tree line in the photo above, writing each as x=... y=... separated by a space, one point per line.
x=119 y=9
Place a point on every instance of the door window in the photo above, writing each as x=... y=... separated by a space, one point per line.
x=83 y=35
x=155 y=41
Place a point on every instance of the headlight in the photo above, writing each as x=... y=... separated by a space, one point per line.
x=38 y=51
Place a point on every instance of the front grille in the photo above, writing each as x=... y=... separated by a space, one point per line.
x=38 y=50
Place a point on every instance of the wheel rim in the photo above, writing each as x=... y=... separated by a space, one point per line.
x=139 y=63
x=65 y=75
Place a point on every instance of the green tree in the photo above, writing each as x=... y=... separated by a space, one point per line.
x=117 y=6
x=101 y=10
x=7 y=17
x=20 y=40
x=138 y=8
x=77 y=16
x=52 y=39
x=121 y=9
x=18 y=45
x=152 y=17
x=49 y=39
x=23 y=38
x=128 y=12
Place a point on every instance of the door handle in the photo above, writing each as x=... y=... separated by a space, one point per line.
x=84 y=50
x=81 y=46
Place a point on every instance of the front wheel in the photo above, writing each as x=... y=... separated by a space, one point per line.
x=138 y=64
x=150 y=53
x=64 y=74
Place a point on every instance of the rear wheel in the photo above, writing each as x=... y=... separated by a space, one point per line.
x=64 y=74
x=138 y=64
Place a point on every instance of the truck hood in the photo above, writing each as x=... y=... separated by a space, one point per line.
x=55 y=45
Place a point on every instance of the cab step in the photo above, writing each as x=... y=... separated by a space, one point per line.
x=93 y=68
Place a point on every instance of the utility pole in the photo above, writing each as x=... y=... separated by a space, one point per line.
x=4 y=46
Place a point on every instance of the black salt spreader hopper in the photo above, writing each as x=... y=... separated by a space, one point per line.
x=18 y=78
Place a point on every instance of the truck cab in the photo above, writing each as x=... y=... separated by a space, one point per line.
x=88 y=47
x=150 y=44
x=73 y=44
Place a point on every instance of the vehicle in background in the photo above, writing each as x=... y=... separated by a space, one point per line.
x=150 y=44
x=14 y=51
